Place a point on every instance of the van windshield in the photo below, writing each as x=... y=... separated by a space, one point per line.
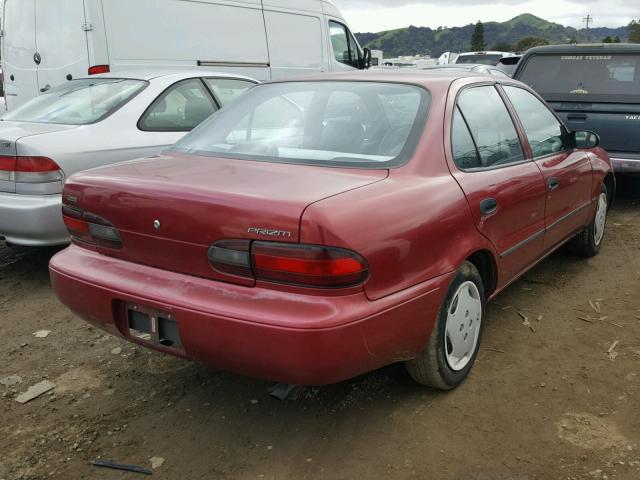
x=363 y=124
x=583 y=77
x=78 y=102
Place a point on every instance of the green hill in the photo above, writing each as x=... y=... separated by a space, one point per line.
x=424 y=40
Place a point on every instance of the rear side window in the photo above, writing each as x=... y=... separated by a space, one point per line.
x=581 y=77
x=545 y=133
x=228 y=89
x=491 y=127
x=180 y=108
x=79 y=102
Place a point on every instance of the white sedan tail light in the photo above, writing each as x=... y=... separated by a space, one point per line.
x=30 y=175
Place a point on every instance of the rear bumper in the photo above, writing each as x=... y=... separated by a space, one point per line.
x=259 y=332
x=625 y=164
x=32 y=220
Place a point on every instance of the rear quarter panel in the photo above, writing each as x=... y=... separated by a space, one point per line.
x=601 y=165
x=410 y=229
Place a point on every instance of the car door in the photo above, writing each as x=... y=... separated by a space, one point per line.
x=504 y=189
x=567 y=171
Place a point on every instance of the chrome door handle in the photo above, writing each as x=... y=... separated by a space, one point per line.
x=553 y=183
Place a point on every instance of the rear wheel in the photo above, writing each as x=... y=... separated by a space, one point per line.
x=589 y=241
x=453 y=346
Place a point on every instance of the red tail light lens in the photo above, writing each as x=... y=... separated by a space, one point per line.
x=96 y=69
x=36 y=165
x=292 y=264
x=7 y=164
x=307 y=265
x=89 y=228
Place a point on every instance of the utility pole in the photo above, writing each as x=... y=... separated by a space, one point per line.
x=588 y=19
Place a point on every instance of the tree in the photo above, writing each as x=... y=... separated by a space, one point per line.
x=617 y=39
x=529 y=42
x=607 y=39
x=503 y=47
x=634 y=32
x=477 y=39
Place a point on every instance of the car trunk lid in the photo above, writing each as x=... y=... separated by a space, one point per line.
x=170 y=209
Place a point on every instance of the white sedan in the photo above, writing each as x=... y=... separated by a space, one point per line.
x=90 y=122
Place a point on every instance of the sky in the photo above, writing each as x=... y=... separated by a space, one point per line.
x=379 y=15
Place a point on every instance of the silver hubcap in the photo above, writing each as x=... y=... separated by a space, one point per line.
x=601 y=219
x=463 y=326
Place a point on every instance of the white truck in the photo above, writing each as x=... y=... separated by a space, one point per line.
x=47 y=42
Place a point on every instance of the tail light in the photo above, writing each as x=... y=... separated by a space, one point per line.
x=89 y=228
x=32 y=175
x=97 y=69
x=292 y=264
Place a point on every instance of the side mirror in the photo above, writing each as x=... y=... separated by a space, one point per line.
x=366 y=59
x=586 y=139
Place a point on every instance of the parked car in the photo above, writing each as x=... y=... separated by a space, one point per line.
x=45 y=42
x=469 y=67
x=594 y=87
x=92 y=122
x=486 y=58
x=321 y=228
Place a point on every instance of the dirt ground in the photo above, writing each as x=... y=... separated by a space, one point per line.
x=557 y=400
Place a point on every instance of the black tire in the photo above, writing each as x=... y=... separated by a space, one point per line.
x=587 y=244
x=431 y=367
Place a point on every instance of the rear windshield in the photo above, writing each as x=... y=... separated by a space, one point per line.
x=480 y=58
x=591 y=78
x=78 y=102
x=364 y=124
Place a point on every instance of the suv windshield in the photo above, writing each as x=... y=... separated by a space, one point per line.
x=484 y=59
x=365 y=124
x=78 y=102
x=583 y=77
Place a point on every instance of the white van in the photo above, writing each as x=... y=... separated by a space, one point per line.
x=47 y=42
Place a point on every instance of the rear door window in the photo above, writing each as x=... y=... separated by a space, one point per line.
x=491 y=127
x=584 y=78
x=180 y=108
x=545 y=133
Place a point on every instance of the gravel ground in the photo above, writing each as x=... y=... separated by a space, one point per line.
x=557 y=400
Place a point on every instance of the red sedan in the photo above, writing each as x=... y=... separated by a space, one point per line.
x=318 y=229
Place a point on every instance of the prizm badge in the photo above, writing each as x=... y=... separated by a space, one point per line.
x=269 y=232
x=633 y=117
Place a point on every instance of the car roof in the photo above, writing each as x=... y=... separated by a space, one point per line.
x=586 y=48
x=178 y=74
x=430 y=79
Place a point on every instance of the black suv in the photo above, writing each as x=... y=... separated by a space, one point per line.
x=592 y=87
